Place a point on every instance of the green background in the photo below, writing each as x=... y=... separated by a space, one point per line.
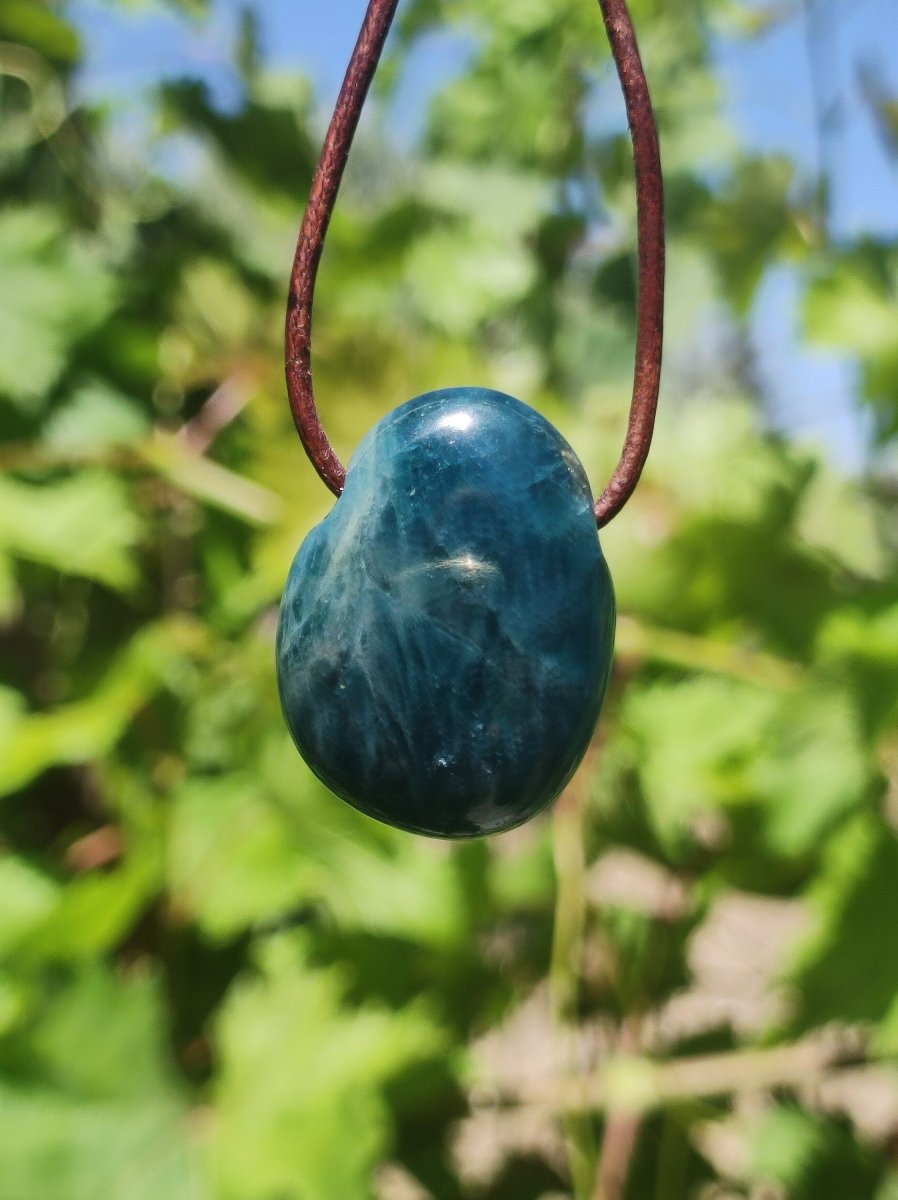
x=216 y=981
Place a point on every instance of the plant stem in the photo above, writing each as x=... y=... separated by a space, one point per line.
x=564 y=969
x=637 y=1084
x=639 y=640
x=622 y=1129
x=618 y=1146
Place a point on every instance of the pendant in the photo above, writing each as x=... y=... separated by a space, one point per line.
x=446 y=632
x=445 y=637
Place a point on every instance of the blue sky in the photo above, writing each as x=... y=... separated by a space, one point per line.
x=797 y=88
x=770 y=88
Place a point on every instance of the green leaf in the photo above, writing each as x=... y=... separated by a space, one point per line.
x=55 y=290
x=12 y=709
x=248 y=848
x=102 y=1037
x=836 y=517
x=95 y=911
x=682 y=775
x=811 y=768
x=460 y=277
x=507 y=203
x=369 y=876
x=265 y=141
x=848 y=969
x=715 y=462
x=87 y=729
x=27 y=895
x=889 y=1188
x=34 y=23
x=862 y=647
x=796 y=759
x=100 y=1113
x=850 y=308
x=95 y=417
x=233 y=859
x=812 y=1157
x=85 y=525
x=298 y=1107
x=10 y=597
x=13 y=1004
x=52 y=1144
x=749 y=224
x=786 y=1144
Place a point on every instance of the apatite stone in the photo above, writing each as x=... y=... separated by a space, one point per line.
x=445 y=635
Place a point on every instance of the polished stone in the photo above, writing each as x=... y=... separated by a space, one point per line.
x=446 y=632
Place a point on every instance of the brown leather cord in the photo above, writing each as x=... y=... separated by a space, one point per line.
x=650 y=223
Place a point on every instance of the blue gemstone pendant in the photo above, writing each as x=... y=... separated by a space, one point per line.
x=446 y=632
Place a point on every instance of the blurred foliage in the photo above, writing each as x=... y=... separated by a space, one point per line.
x=215 y=979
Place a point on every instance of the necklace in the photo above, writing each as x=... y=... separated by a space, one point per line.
x=446 y=633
